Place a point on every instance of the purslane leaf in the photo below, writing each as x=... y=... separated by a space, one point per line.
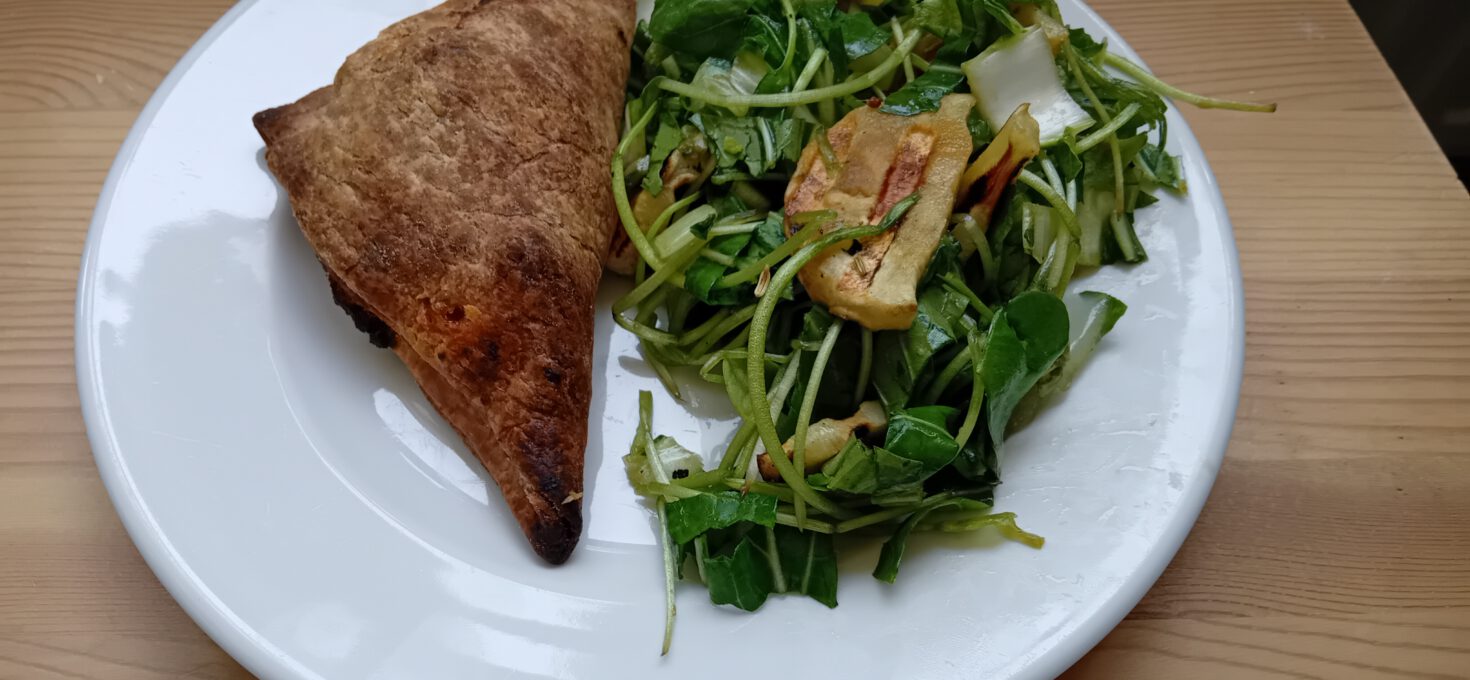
x=702 y=28
x=741 y=578
x=690 y=517
x=1026 y=337
x=860 y=36
x=809 y=562
x=922 y=94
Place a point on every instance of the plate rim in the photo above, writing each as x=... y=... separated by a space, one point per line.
x=260 y=657
x=243 y=644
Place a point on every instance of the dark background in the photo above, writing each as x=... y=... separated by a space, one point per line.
x=1427 y=44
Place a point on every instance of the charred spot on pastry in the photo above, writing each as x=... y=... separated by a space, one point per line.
x=545 y=472
x=378 y=331
x=455 y=314
x=482 y=358
x=533 y=260
x=552 y=375
x=554 y=537
x=265 y=121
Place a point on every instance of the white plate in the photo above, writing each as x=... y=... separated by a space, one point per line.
x=293 y=490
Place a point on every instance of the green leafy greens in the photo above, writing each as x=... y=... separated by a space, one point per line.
x=846 y=429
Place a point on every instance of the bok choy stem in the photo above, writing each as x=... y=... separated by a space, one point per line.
x=729 y=324
x=760 y=408
x=813 y=64
x=753 y=270
x=976 y=350
x=789 y=11
x=644 y=436
x=1102 y=112
x=1105 y=132
x=892 y=513
x=1052 y=177
x=783 y=99
x=773 y=557
x=1162 y=88
x=701 y=553
x=808 y=403
x=946 y=376
x=645 y=332
x=652 y=353
x=717 y=256
x=777 y=397
x=743 y=435
x=731 y=229
x=672 y=489
x=908 y=62
x=817 y=525
x=1057 y=201
x=678 y=260
x=698 y=333
x=826 y=108
x=667 y=215
x=972 y=413
x=671 y=609
x=781 y=493
x=620 y=192
x=1004 y=521
x=953 y=283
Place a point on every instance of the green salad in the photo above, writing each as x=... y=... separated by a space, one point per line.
x=859 y=218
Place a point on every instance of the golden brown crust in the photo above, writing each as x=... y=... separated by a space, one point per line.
x=453 y=182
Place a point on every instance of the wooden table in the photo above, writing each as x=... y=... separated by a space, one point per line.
x=1336 y=543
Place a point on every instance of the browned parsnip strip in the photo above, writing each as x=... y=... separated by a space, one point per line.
x=827 y=436
x=883 y=158
x=1018 y=141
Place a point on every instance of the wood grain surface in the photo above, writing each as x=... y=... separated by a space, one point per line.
x=1336 y=543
